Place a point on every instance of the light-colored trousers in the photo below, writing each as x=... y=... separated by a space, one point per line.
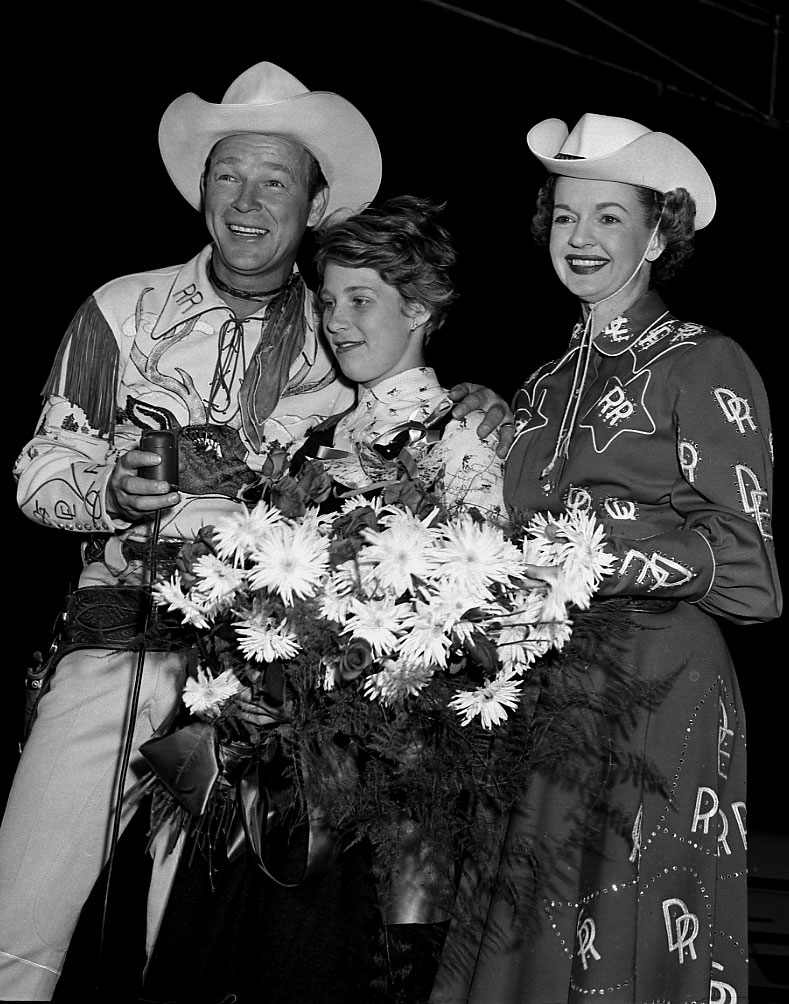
x=56 y=832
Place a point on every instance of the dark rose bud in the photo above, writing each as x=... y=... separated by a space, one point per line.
x=341 y=551
x=275 y=463
x=355 y=658
x=314 y=482
x=191 y=551
x=482 y=651
x=288 y=496
x=352 y=523
x=415 y=497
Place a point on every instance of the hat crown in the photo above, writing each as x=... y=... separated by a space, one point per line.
x=263 y=84
x=600 y=136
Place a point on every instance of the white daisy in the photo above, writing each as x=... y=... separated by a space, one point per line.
x=489 y=703
x=549 y=634
x=378 y=622
x=474 y=555
x=397 y=680
x=236 y=536
x=204 y=695
x=425 y=642
x=451 y=606
x=402 y=552
x=586 y=559
x=216 y=580
x=360 y=502
x=194 y=611
x=263 y=639
x=290 y=560
x=338 y=592
x=513 y=634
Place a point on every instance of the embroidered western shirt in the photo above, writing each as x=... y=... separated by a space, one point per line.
x=671 y=448
x=163 y=349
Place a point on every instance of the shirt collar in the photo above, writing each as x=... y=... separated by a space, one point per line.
x=624 y=331
x=409 y=388
x=191 y=294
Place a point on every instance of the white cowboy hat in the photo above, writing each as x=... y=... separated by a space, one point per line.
x=268 y=99
x=606 y=148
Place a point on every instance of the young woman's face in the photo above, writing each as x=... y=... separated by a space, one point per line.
x=598 y=238
x=366 y=323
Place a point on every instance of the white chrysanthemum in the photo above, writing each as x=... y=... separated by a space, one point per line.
x=474 y=555
x=361 y=502
x=450 y=606
x=378 y=622
x=290 y=560
x=425 y=641
x=536 y=551
x=556 y=596
x=546 y=527
x=194 y=611
x=216 y=580
x=488 y=703
x=549 y=634
x=586 y=561
x=403 y=551
x=236 y=536
x=204 y=695
x=264 y=639
x=397 y=680
x=512 y=640
x=339 y=591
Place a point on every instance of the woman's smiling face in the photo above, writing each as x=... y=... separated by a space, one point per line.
x=367 y=325
x=598 y=238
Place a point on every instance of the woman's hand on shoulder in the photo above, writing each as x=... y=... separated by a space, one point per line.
x=498 y=415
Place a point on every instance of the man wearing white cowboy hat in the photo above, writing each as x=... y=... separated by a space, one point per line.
x=226 y=350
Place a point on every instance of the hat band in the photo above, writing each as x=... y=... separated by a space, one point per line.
x=567 y=156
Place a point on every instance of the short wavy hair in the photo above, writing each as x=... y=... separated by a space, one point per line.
x=406 y=245
x=675 y=211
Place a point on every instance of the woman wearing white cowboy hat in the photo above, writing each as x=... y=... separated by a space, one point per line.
x=624 y=867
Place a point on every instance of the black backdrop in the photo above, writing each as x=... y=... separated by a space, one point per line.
x=451 y=99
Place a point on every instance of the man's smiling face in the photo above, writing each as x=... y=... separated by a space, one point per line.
x=256 y=204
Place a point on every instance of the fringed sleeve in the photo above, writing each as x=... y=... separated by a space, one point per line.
x=85 y=370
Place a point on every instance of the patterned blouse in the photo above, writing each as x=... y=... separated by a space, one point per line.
x=464 y=468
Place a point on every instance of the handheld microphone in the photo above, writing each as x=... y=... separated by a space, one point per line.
x=165 y=443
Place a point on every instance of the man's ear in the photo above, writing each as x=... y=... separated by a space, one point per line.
x=318 y=207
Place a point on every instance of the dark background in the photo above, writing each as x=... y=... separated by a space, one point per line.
x=451 y=98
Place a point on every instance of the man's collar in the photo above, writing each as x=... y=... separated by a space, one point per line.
x=192 y=294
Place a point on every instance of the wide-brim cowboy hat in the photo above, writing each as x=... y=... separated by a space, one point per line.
x=267 y=99
x=606 y=148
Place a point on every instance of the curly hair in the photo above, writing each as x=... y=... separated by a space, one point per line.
x=674 y=210
x=406 y=245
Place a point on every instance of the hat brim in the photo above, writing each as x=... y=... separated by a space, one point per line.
x=327 y=125
x=654 y=160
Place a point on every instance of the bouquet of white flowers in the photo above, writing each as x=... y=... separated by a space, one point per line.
x=364 y=670
x=396 y=598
